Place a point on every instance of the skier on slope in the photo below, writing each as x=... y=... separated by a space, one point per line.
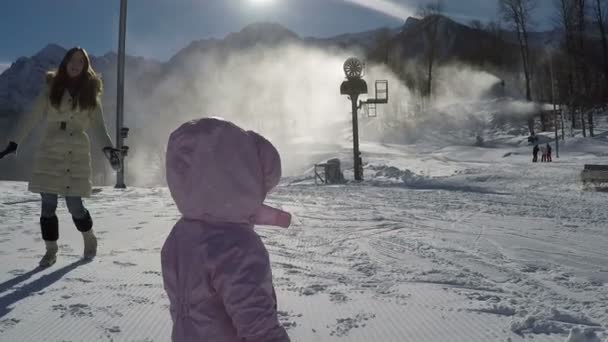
x=216 y=270
x=71 y=98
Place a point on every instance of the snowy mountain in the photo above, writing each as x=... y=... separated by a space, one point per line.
x=365 y=41
x=254 y=35
x=20 y=82
x=455 y=42
x=258 y=34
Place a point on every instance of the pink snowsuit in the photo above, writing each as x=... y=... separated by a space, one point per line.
x=216 y=270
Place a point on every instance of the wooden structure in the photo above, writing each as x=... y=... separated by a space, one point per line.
x=596 y=175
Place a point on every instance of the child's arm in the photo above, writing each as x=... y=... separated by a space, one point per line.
x=244 y=280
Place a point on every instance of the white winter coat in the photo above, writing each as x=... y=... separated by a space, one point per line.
x=63 y=161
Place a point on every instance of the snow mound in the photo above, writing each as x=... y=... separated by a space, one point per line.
x=585 y=335
x=391 y=172
x=537 y=325
x=391 y=175
x=501 y=310
x=553 y=321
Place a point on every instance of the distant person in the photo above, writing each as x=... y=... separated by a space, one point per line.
x=71 y=99
x=535 y=153
x=549 y=153
x=543 y=151
x=216 y=269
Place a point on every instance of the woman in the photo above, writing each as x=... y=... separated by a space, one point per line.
x=71 y=97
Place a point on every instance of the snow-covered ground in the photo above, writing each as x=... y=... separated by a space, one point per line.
x=440 y=243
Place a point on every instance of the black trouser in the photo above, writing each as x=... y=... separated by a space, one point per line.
x=48 y=220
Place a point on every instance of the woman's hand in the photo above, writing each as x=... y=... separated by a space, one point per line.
x=11 y=148
x=113 y=156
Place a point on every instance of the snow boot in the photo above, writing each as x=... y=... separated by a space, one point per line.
x=90 y=244
x=50 y=257
x=50 y=234
x=85 y=225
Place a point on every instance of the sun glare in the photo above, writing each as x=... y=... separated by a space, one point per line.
x=261 y=2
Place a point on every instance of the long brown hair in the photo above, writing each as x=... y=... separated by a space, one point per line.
x=87 y=85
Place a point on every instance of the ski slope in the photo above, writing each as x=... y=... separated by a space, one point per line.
x=440 y=243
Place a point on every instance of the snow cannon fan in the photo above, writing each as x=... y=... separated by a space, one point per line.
x=353 y=87
x=353 y=68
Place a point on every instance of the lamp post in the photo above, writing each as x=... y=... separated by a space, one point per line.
x=354 y=86
x=121 y=132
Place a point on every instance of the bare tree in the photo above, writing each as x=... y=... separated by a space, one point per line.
x=582 y=67
x=566 y=20
x=600 y=8
x=495 y=49
x=432 y=14
x=518 y=14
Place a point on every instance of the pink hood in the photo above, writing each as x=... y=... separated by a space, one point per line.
x=217 y=172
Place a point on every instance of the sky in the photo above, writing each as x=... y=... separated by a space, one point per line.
x=159 y=28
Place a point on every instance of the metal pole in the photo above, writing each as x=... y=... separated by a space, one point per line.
x=120 y=175
x=358 y=175
x=561 y=116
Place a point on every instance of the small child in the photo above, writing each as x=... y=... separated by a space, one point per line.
x=216 y=270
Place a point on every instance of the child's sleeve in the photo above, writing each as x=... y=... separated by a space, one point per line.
x=31 y=117
x=244 y=281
